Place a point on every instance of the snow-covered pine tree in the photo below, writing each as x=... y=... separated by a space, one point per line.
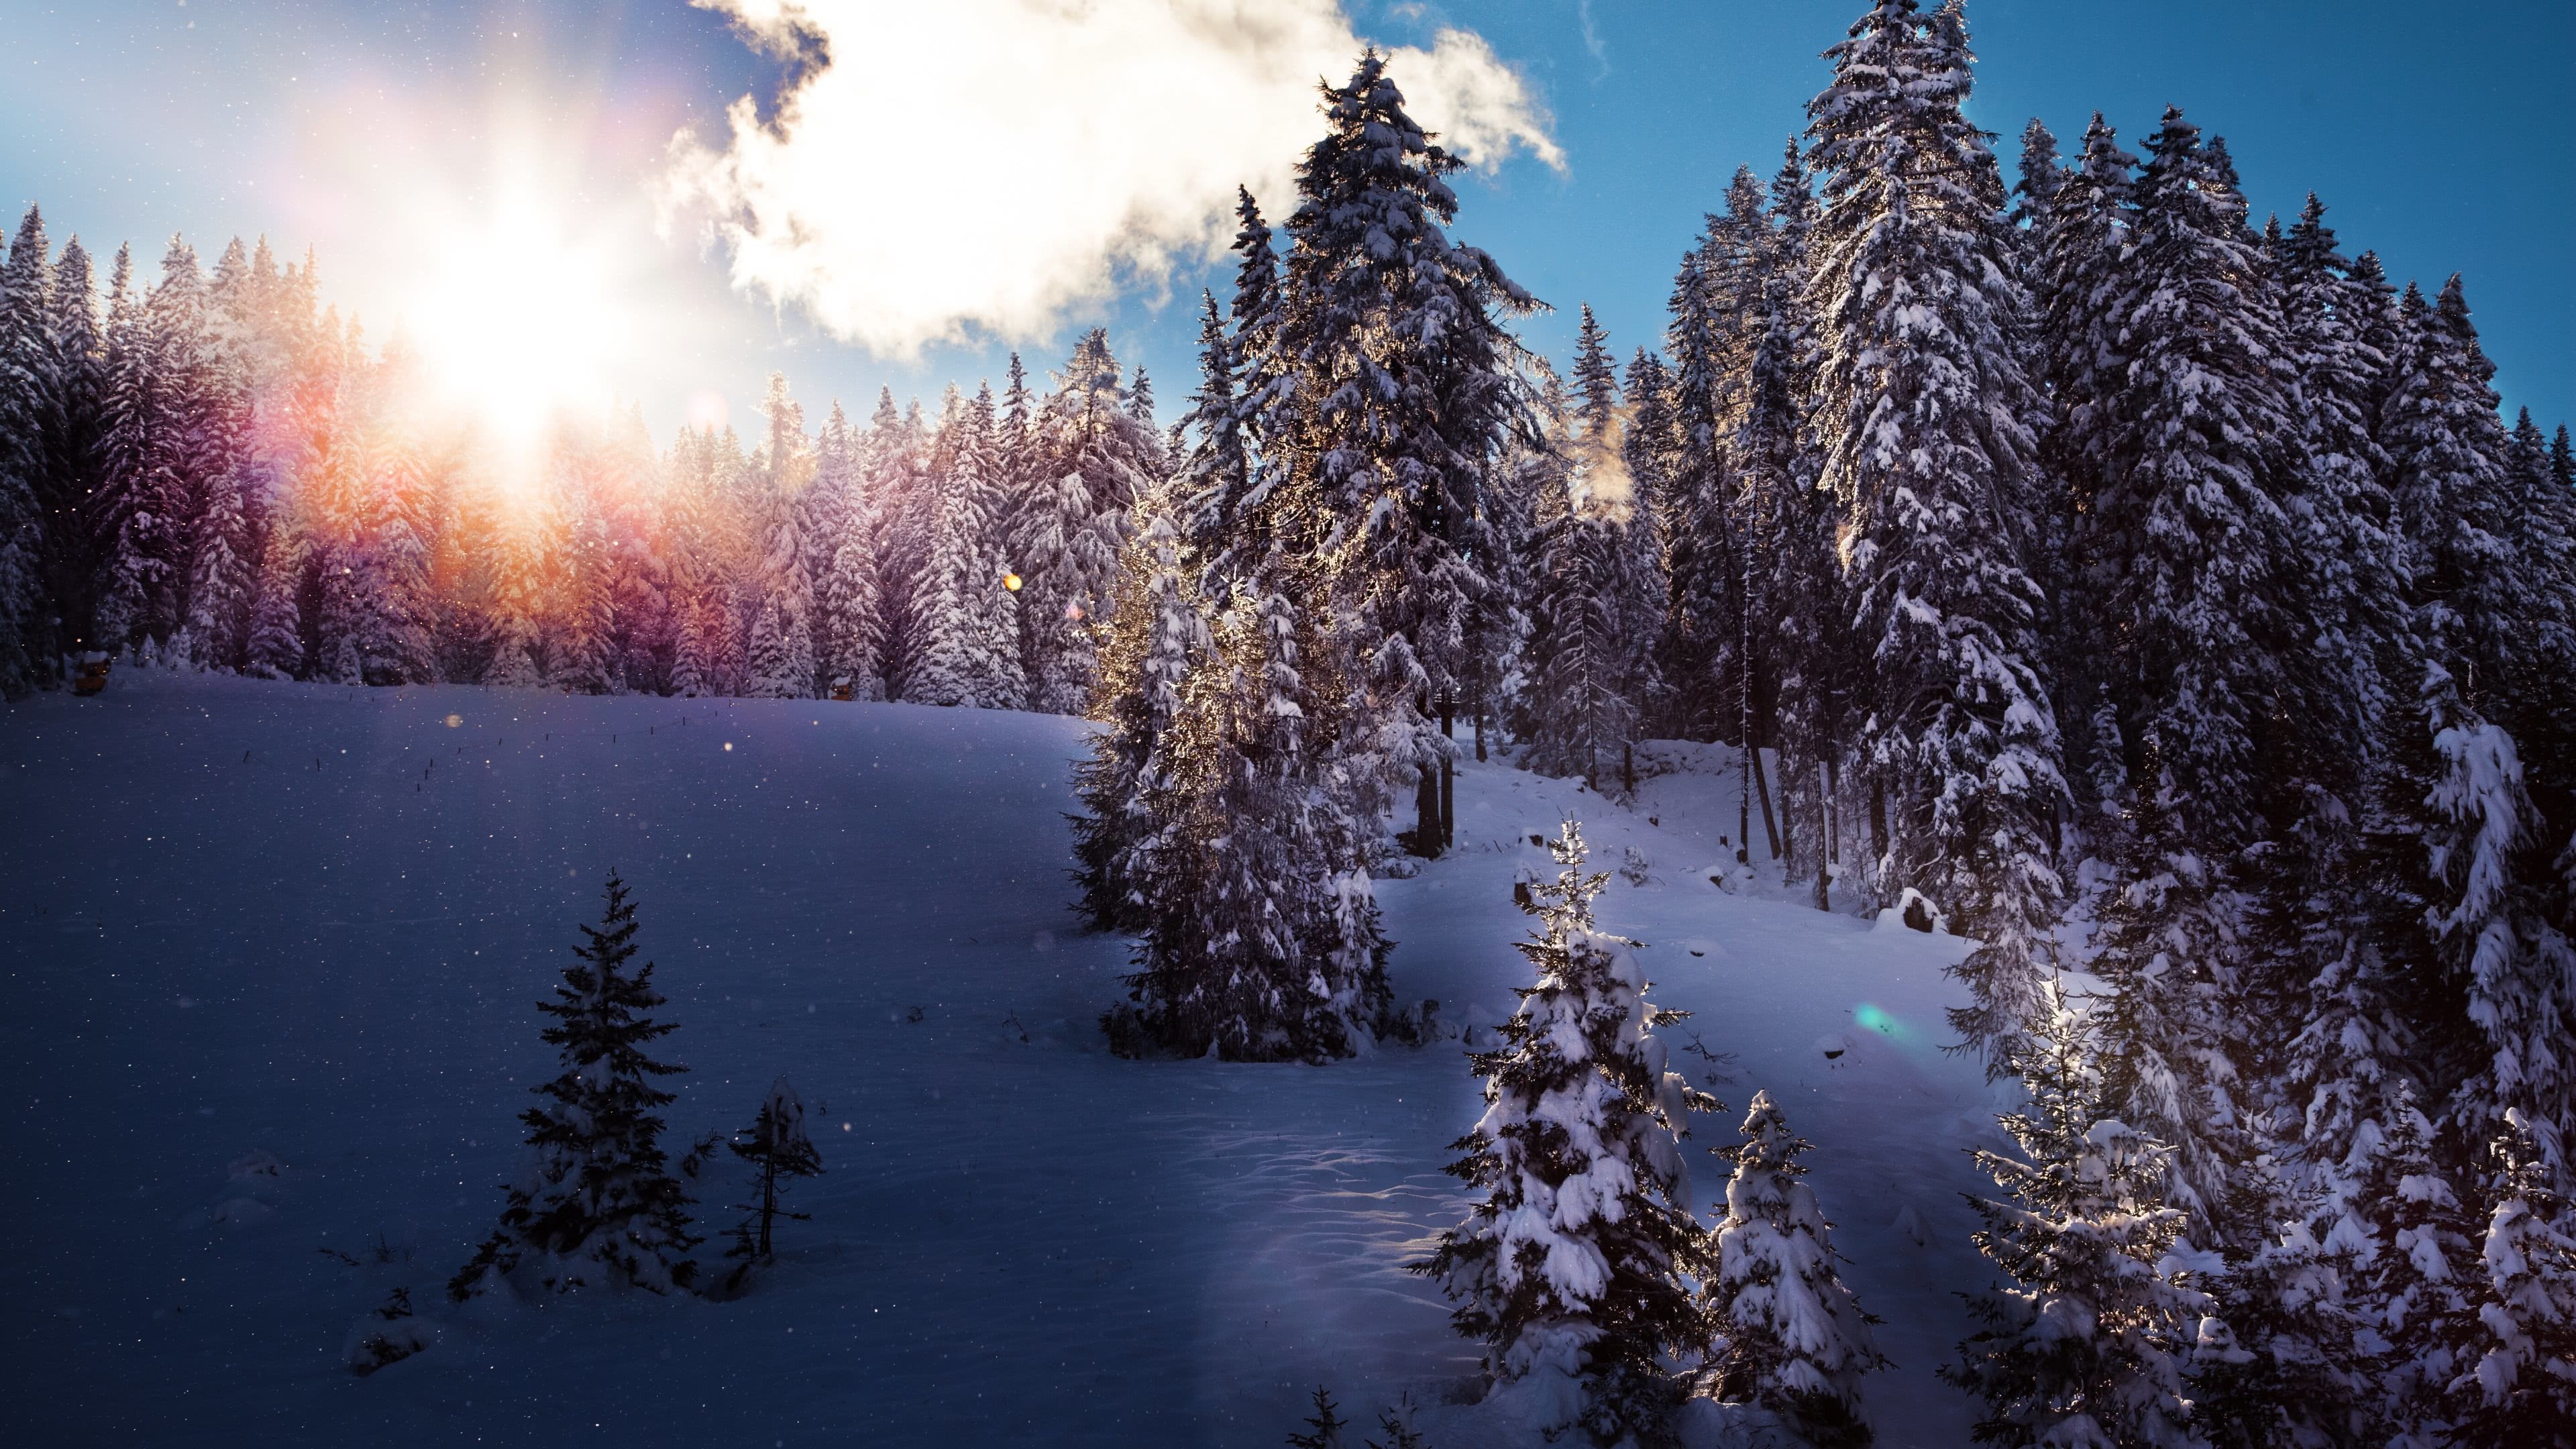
x=1577 y=713
x=1404 y=395
x=969 y=624
x=1575 y=1265
x=1715 y=319
x=1162 y=635
x=777 y=1146
x=2087 y=1343
x=1260 y=941
x=1796 y=1339
x=2514 y=1351
x=772 y=675
x=595 y=1203
x=1095 y=460
x=1926 y=420
x=26 y=281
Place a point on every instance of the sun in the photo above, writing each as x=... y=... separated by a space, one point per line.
x=516 y=320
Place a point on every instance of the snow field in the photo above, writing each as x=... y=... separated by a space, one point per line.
x=271 y=955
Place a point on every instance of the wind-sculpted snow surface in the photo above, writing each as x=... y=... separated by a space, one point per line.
x=272 y=954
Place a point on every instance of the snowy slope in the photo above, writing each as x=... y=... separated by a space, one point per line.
x=243 y=918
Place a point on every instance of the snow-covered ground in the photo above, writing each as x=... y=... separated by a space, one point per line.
x=271 y=953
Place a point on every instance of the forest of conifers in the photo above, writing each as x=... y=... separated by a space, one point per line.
x=2074 y=547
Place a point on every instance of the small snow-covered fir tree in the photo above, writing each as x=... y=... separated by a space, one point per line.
x=1575 y=1267
x=778 y=1147
x=2086 y=1345
x=595 y=1204
x=1797 y=1342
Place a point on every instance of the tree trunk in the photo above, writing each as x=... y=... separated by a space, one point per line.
x=1762 y=782
x=1426 y=813
x=1448 y=804
x=1628 y=770
x=1878 y=819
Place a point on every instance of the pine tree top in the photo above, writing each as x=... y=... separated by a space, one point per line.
x=601 y=1005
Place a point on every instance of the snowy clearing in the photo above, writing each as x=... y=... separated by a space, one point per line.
x=272 y=952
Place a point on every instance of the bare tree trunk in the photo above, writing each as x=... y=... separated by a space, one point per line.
x=1762 y=783
x=1426 y=813
x=1448 y=779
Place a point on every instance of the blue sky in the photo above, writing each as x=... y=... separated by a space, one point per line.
x=2440 y=136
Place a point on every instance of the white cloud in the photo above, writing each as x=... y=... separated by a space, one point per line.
x=964 y=167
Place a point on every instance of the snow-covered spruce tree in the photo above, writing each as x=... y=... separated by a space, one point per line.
x=1094 y=458
x=276 y=646
x=1797 y=1342
x=2514 y=1352
x=1794 y=579
x=970 y=652
x=1716 y=317
x=1259 y=942
x=595 y=1204
x=2074 y=251
x=1161 y=635
x=772 y=674
x=2409 y=1293
x=1925 y=415
x=2166 y=928
x=1228 y=503
x=1403 y=395
x=1158 y=635
x=1576 y=1264
x=1624 y=501
x=777 y=1147
x=2493 y=808
x=1583 y=656
x=2086 y=1344
x=160 y=451
x=26 y=282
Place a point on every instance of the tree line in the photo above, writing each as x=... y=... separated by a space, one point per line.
x=213 y=469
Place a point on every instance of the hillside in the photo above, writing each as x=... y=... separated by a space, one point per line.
x=271 y=953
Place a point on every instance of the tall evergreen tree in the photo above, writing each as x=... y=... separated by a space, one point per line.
x=1404 y=396
x=971 y=631
x=1927 y=448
